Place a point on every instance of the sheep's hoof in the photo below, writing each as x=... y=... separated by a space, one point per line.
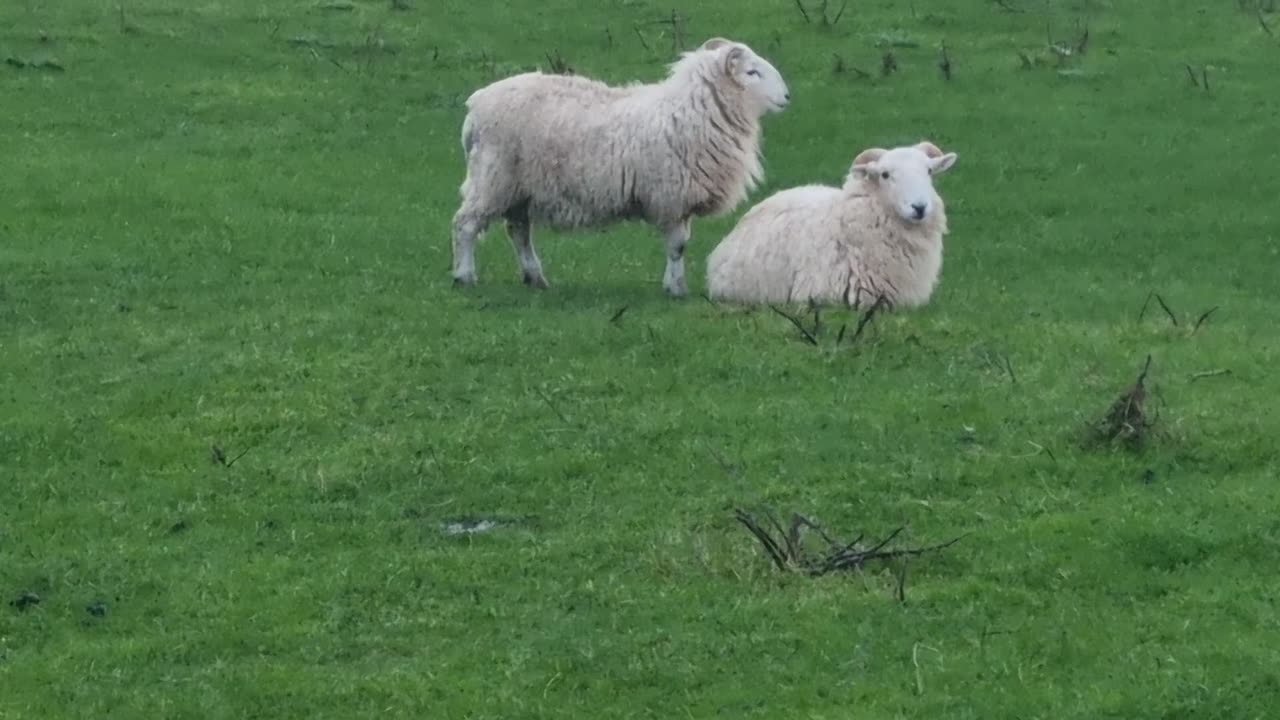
x=465 y=281
x=677 y=289
x=536 y=281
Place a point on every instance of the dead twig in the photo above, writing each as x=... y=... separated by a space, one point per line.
x=888 y=64
x=553 y=407
x=644 y=43
x=220 y=458
x=880 y=303
x=1209 y=373
x=785 y=547
x=839 y=14
x=803 y=13
x=945 y=63
x=1126 y=420
x=804 y=332
x=1203 y=317
x=557 y=64
x=1192 y=74
x=1163 y=305
x=618 y=315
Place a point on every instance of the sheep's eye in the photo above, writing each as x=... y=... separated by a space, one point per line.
x=885 y=174
x=754 y=73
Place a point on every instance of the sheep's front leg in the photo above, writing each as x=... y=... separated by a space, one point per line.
x=521 y=233
x=677 y=237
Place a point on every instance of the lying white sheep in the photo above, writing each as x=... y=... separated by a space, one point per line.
x=570 y=152
x=879 y=235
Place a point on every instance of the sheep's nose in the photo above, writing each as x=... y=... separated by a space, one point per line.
x=919 y=209
x=787 y=97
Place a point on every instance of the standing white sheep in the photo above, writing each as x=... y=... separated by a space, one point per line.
x=570 y=152
x=878 y=236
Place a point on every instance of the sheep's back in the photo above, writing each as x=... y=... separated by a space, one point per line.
x=781 y=246
x=558 y=137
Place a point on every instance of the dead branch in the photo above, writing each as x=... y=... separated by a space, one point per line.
x=888 y=64
x=803 y=13
x=1204 y=317
x=1082 y=46
x=1209 y=373
x=808 y=336
x=677 y=32
x=557 y=64
x=1126 y=419
x=843 y=6
x=880 y=303
x=553 y=407
x=1163 y=305
x=785 y=547
x=644 y=43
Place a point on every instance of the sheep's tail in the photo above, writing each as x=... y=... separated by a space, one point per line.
x=468 y=136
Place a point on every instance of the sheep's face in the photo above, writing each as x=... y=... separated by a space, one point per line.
x=760 y=81
x=903 y=178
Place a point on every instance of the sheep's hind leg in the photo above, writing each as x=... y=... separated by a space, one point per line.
x=520 y=230
x=468 y=226
x=673 y=280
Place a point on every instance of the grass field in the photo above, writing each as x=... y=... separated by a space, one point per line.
x=225 y=224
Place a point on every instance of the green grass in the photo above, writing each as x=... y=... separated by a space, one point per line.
x=226 y=223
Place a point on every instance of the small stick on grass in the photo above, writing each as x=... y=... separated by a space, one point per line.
x=1204 y=317
x=785 y=547
x=945 y=64
x=808 y=336
x=1003 y=5
x=1209 y=373
x=1083 y=45
x=803 y=13
x=1262 y=20
x=645 y=44
x=839 y=14
x=888 y=64
x=1163 y=305
x=867 y=317
x=618 y=315
x=1192 y=74
x=553 y=407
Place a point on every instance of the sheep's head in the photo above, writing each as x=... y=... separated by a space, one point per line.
x=760 y=81
x=903 y=177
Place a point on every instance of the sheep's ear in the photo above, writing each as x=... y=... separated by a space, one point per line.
x=942 y=163
x=929 y=149
x=733 y=61
x=865 y=163
x=715 y=43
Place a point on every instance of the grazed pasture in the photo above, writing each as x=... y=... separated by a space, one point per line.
x=259 y=459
